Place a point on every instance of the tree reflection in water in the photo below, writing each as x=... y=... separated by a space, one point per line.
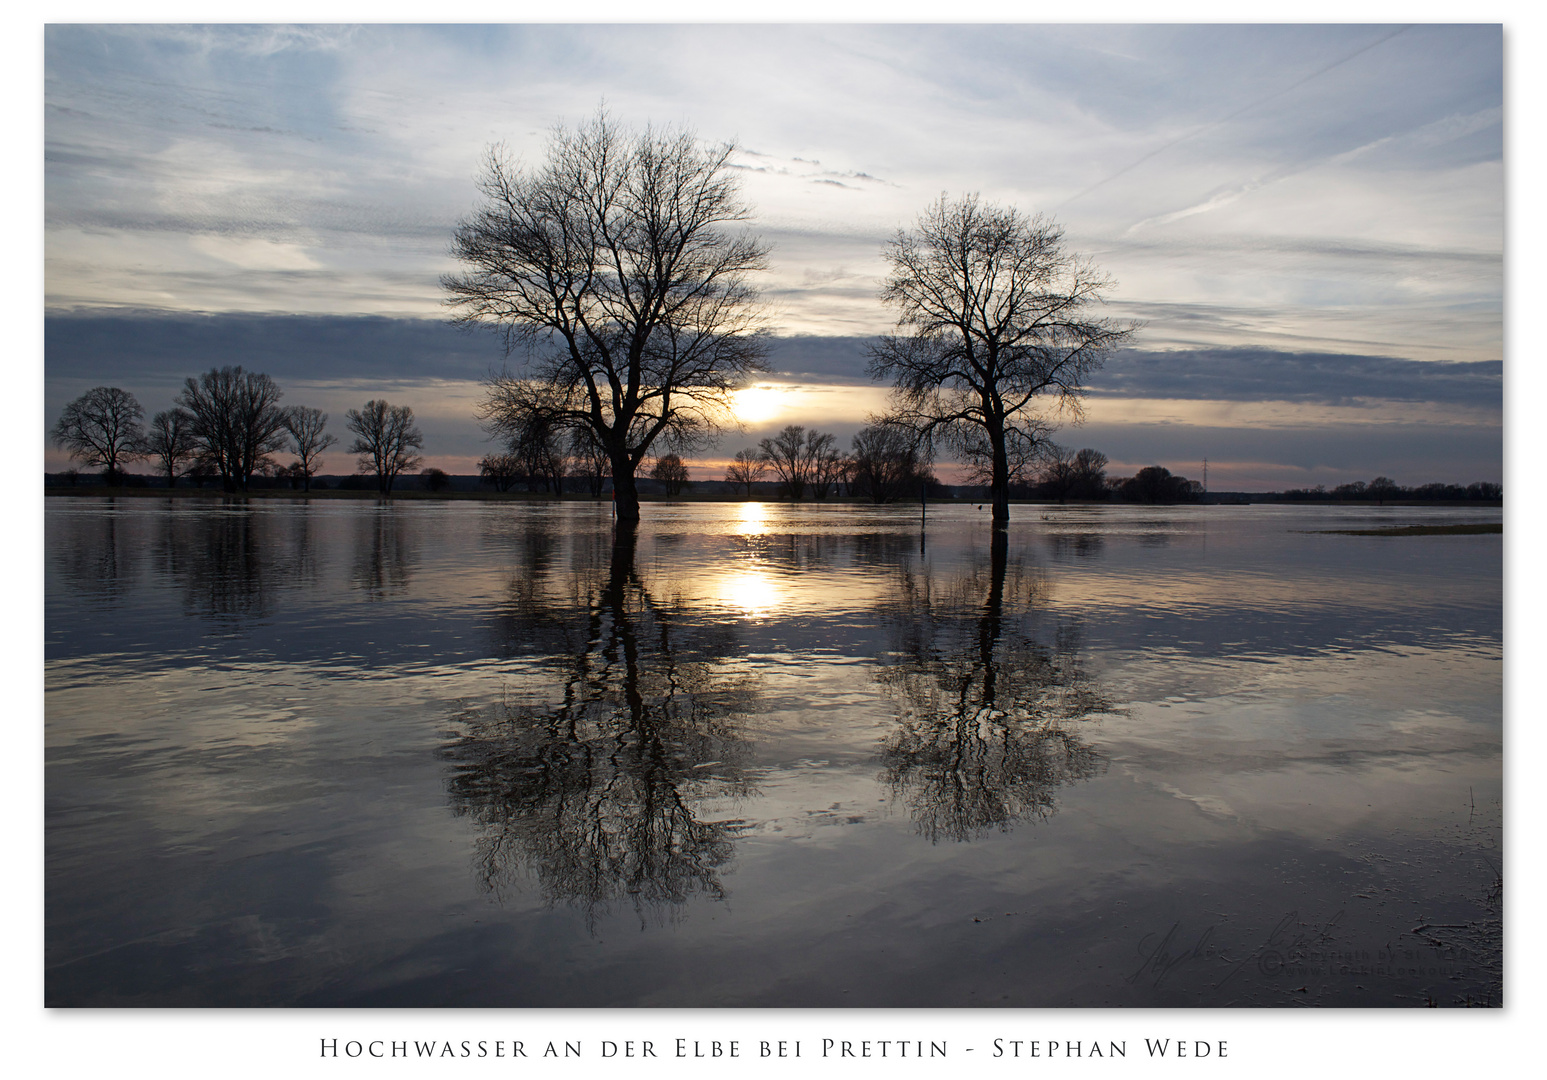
x=385 y=553
x=599 y=794
x=989 y=719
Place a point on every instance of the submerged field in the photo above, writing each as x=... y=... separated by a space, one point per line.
x=481 y=753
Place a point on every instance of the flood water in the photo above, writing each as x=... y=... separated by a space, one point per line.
x=481 y=754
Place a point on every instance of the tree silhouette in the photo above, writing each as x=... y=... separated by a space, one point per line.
x=386 y=439
x=169 y=440
x=993 y=314
x=671 y=472
x=237 y=421
x=308 y=439
x=886 y=464
x=616 y=264
x=102 y=427
x=746 y=468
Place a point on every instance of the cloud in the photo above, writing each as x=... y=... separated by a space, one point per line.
x=1247 y=374
x=155 y=345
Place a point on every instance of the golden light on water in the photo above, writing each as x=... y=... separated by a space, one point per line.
x=752 y=519
x=750 y=590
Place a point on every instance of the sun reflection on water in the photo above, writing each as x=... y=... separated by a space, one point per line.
x=751 y=590
x=753 y=520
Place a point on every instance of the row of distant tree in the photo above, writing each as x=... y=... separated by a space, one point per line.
x=885 y=462
x=228 y=424
x=1383 y=489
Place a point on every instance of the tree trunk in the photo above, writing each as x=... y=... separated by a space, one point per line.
x=1000 y=485
x=625 y=492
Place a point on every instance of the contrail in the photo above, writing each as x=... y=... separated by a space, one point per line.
x=1226 y=119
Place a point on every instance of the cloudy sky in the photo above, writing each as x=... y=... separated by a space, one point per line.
x=1307 y=220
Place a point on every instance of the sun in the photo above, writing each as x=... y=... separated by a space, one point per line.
x=758 y=404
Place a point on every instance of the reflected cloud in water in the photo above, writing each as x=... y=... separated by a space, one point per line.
x=334 y=753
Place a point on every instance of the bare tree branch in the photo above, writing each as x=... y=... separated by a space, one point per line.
x=992 y=314
x=618 y=269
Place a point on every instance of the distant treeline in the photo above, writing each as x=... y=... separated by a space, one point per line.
x=225 y=426
x=1384 y=489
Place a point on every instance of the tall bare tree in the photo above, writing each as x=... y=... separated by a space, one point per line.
x=993 y=313
x=1090 y=474
x=237 y=421
x=169 y=439
x=308 y=439
x=540 y=447
x=102 y=427
x=617 y=266
x=386 y=440
x=785 y=453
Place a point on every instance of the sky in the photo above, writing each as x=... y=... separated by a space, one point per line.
x=1308 y=221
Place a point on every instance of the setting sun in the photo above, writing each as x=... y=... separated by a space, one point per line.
x=758 y=404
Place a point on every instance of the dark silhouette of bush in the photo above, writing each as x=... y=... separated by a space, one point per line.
x=1155 y=484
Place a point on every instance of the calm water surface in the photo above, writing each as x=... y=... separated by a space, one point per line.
x=347 y=753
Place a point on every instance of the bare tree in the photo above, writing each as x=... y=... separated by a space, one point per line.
x=102 y=427
x=804 y=459
x=1382 y=488
x=825 y=464
x=786 y=454
x=169 y=440
x=237 y=421
x=615 y=265
x=386 y=440
x=1058 y=476
x=589 y=458
x=500 y=470
x=1027 y=448
x=671 y=472
x=746 y=468
x=992 y=313
x=887 y=463
x=537 y=443
x=307 y=440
